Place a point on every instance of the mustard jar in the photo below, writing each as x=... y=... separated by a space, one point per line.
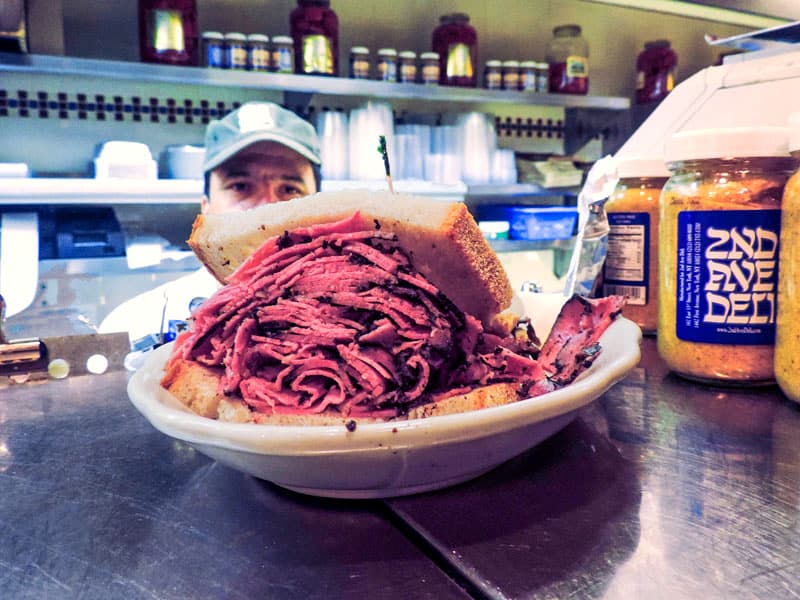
x=631 y=265
x=787 y=329
x=718 y=252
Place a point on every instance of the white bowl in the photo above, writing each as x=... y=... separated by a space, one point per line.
x=393 y=458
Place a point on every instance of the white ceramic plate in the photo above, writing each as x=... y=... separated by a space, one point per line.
x=396 y=458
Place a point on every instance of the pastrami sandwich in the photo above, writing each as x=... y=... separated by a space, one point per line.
x=350 y=306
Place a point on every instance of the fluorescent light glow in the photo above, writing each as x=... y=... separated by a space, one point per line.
x=696 y=11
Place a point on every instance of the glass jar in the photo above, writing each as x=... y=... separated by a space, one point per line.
x=282 y=60
x=359 y=62
x=787 y=328
x=430 y=68
x=718 y=252
x=315 y=32
x=568 y=61
x=408 y=67
x=542 y=77
x=631 y=265
x=456 y=42
x=655 y=71
x=511 y=75
x=235 y=50
x=257 y=52
x=213 y=49
x=168 y=32
x=493 y=75
x=527 y=75
x=387 y=64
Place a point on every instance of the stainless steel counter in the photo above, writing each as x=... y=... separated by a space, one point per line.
x=660 y=489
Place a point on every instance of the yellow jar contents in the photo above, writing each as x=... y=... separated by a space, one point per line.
x=631 y=266
x=718 y=255
x=787 y=331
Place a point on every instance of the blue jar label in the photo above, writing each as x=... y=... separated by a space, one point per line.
x=727 y=276
x=626 y=270
x=215 y=57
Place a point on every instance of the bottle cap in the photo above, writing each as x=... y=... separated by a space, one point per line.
x=359 y=50
x=408 y=54
x=528 y=64
x=236 y=36
x=429 y=55
x=493 y=63
x=387 y=52
x=213 y=35
x=282 y=39
x=511 y=64
x=257 y=37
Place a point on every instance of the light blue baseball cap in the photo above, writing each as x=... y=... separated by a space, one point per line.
x=258 y=122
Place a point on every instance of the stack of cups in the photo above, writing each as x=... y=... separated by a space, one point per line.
x=367 y=124
x=332 y=129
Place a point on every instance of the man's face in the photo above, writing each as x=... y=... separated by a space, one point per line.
x=262 y=173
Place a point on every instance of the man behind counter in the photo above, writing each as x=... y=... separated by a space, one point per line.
x=257 y=154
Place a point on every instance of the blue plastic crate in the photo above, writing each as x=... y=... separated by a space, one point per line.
x=536 y=223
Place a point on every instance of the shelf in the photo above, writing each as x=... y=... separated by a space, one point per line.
x=529 y=245
x=292 y=84
x=29 y=191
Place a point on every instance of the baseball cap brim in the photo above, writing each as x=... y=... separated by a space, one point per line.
x=253 y=138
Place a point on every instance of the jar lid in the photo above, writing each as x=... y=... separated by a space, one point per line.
x=359 y=50
x=511 y=64
x=213 y=35
x=493 y=63
x=732 y=142
x=430 y=55
x=387 y=52
x=454 y=18
x=494 y=227
x=282 y=39
x=528 y=64
x=234 y=35
x=637 y=166
x=542 y=65
x=408 y=54
x=657 y=44
x=257 y=37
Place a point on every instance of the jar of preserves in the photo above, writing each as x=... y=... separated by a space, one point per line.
x=493 y=75
x=168 y=32
x=257 y=52
x=568 y=61
x=718 y=252
x=430 y=68
x=527 y=75
x=407 y=71
x=282 y=60
x=235 y=50
x=655 y=71
x=213 y=49
x=631 y=265
x=315 y=32
x=456 y=42
x=387 y=64
x=511 y=75
x=359 y=62
x=787 y=328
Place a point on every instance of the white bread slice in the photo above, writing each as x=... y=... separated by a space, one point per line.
x=196 y=386
x=443 y=240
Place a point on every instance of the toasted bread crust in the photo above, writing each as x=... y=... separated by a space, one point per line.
x=443 y=240
x=197 y=387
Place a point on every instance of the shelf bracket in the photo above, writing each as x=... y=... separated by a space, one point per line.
x=582 y=125
x=297 y=101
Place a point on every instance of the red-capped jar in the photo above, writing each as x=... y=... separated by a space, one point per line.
x=315 y=31
x=456 y=42
x=655 y=71
x=168 y=32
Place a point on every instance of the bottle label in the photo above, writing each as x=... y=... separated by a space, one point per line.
x=577 y=66
x=359 y=68
x=215 y=57
x=459 y=61
x=237 y=56
x=493 y=80
x=283 y=60
x=166 y=30
x=387 y=70
x=430 y=73
x=628 y=257
x=408 y=72
x=727 y=276
x=259 y=59
x=317 y=54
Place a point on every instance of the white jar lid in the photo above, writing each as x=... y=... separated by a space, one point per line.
x=408 y=54
x=233 y=35
x=212 y=35
x=636 y=166
x=387 y=52
x=528 y=64
x=359 y=50
x=494 y=227
x=733 y=142
x=257 y=37
x=430 y=55
x=493 y=63
x=511 y=64
x=282 y=39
